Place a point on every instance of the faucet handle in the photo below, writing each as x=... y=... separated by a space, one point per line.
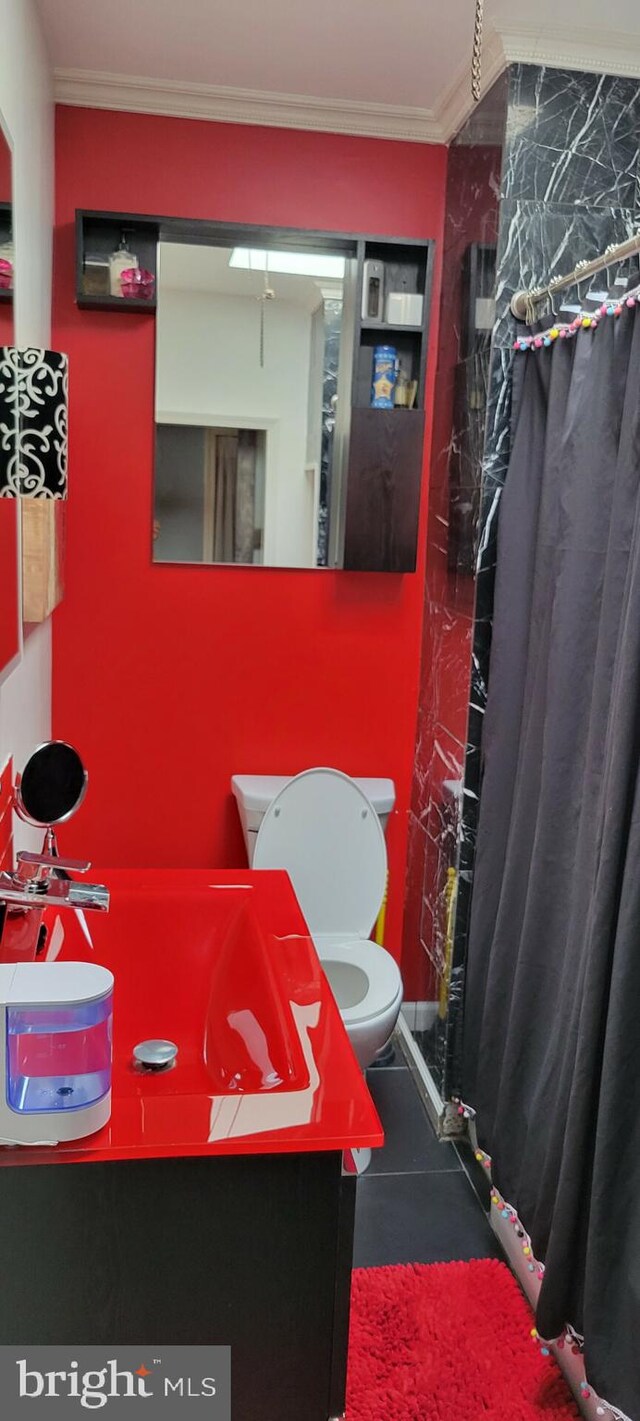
x=51 y=861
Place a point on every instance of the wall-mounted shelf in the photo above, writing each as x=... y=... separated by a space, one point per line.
x=98 y=234
x=384 y=328
x=407 y=269
x=386 y=445
x=114 y=303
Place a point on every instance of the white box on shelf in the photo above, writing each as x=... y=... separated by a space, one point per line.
x=404 y=308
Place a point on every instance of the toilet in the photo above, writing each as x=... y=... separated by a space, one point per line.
x=324 y=831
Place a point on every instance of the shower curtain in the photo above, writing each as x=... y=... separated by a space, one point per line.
x=552 y=1005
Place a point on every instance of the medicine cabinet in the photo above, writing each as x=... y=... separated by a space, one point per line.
x=290 y=386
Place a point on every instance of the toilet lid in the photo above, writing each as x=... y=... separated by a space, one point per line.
x=322 y=829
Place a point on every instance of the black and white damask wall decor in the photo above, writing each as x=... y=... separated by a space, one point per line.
x=33 y=422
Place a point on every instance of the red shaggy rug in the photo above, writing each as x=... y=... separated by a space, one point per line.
x=448 y=1342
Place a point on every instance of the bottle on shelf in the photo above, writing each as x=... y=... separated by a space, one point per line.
x=120 y=260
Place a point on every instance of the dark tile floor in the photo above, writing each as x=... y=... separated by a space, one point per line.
x=415 y=1204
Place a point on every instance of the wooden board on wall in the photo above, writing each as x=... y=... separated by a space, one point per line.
x=383 y=491
x=43 y=536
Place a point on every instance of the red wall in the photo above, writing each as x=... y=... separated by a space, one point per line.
x=169 y=679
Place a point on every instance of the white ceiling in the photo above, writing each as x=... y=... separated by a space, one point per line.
x=353 y=65
x=371 y=50
x=188 y=267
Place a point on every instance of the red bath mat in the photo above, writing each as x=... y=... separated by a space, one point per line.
x=448 y=1342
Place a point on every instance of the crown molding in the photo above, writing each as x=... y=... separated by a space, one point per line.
x=559 y=47
x=575 y=47
x=457 y=103
x=87 y=88
x=556 y=47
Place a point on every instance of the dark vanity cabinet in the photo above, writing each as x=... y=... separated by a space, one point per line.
x=249 y=1251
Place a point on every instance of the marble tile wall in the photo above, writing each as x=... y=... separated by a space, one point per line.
x=454 y=504
x=564 y=184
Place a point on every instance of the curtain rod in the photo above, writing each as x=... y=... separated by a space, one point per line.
x=523 y=303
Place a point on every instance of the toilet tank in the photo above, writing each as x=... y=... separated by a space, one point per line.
x=254 y=794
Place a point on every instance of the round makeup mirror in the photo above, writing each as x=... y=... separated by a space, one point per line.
x=52 y=785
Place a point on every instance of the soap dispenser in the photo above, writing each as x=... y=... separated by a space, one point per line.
x=119 y=261
x=55 y=1051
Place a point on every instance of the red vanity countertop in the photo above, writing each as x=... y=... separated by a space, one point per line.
x=223 y=965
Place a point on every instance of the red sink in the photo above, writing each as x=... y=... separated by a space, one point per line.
x=223 y=965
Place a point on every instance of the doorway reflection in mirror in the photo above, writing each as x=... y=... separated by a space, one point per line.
x=214 y=510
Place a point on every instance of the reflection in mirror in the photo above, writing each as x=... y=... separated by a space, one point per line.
x=9 y=558
x=248 y=374
x=9 y=584
x=6 y=244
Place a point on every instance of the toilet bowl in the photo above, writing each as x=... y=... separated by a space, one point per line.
x=324 y=831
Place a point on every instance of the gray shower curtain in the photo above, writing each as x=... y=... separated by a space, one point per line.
x=230 y=491
x=552 y=1004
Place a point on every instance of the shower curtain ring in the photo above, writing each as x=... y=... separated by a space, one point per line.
x=554 y=313
x=578 y=269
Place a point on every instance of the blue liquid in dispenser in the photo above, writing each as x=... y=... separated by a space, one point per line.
x=58 y=1058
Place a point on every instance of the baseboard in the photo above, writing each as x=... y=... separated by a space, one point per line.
x=426 y=1086
x=419 y=1016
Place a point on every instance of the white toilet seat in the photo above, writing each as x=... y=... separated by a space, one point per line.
x=381 y=984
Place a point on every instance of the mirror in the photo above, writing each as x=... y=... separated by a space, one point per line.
x=10 y=620
x=52 y=785
x=6 y=242
x=9 y=585
x=253 y=374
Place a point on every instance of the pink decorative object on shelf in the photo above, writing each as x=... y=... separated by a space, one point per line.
x=6 y=275
x=137 y=282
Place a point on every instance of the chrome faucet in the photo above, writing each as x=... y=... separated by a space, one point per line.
x=40 y=881
x=50 y=789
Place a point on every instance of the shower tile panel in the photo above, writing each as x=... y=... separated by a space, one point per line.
x=571 y=137
x=452 y=533
x=541 y=240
